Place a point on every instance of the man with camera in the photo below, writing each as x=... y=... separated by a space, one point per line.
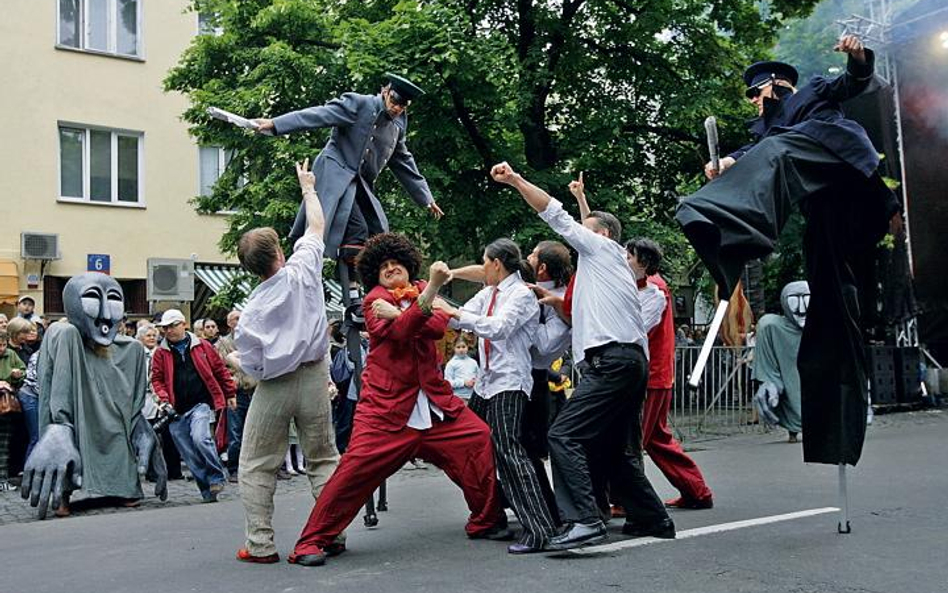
x=189 y=376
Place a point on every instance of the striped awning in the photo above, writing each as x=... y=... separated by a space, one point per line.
x=217 y=276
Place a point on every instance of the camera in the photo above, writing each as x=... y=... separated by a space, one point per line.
x=166 y=415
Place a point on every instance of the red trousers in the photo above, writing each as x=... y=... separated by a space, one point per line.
x=461 y=448
x=666 y=452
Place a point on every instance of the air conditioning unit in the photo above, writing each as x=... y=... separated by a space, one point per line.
x=170 y=279
x=44 y=246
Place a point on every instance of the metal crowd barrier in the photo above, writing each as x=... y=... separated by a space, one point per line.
x=721 y=405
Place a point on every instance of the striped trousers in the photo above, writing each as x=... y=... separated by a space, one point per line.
x=503 y=413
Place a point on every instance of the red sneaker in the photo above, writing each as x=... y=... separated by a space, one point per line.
x=244 y=555
x=686 y=503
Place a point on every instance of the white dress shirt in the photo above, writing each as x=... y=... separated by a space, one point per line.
x=605 y=298
x=511 y=329
x=284 y=323
x=553 y=334
x=652 y=300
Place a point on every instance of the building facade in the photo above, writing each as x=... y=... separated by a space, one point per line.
x=95 y=159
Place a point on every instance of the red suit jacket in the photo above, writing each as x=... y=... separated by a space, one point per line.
x=661 y=342
x=402 y=359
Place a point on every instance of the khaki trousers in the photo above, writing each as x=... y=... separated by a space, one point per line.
x=301 y=396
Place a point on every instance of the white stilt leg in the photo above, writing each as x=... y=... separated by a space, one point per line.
x=713 y=330
x=843 y=525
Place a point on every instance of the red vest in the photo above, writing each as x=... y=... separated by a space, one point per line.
x=661 y=343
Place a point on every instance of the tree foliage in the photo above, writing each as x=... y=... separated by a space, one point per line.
x=615 y=88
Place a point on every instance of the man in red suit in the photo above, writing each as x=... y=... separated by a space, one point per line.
x=644 y=258
x=406 y=409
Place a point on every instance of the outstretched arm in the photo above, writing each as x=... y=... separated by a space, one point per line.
x=472 y=273
x=536 y=197
x=859 y=72
x=340 y=112
x=578 y=189
x=582 y=239
x=315 y=222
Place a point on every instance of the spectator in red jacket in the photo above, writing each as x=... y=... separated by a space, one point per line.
x=188 y=375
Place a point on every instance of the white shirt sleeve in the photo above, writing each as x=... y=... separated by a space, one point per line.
x=306 y=263
x=250 y=351
x=518 y=308
x=553 y=335
x=474 y=305
x=583 y=240
x=652 y=300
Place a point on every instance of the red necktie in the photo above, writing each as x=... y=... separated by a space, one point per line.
x=490 y=311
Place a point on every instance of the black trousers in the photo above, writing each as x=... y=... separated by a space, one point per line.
x=361 y=224
x=503 y=413
x=594 y=425
x=839 y=256
x=536 y=426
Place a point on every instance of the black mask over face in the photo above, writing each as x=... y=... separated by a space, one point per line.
x=95 y=304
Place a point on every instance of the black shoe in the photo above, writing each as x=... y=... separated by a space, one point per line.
x=496 y=533
x=577 y=535
x=664 y=529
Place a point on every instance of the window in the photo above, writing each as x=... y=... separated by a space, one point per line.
x=100 y=165
x=213 y=161
x=208 y=24
x=106 y=26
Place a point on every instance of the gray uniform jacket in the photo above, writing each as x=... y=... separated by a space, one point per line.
x=364 y=140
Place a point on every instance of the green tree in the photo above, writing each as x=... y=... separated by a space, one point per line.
x=615 y=88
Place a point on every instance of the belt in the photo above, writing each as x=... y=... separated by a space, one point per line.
x=598 y=350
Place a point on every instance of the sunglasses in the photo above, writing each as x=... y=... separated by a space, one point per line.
x=755 y=91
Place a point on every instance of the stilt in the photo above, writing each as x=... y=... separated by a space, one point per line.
x=713 y=330
x=353 y=323
x=843 y=525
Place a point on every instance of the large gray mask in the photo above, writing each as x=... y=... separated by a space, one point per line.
x=95 y=304
x=795 y=300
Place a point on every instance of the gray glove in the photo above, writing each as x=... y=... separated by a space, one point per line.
x=765 y=400
x=54 y=467
x=150 y=456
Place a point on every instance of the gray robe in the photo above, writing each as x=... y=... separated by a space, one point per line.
x=775 y=361
x=102 y=398
x=364 y=140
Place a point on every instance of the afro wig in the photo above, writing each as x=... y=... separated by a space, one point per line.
x=386 y=246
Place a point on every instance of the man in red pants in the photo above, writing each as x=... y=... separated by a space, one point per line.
x=406 y=409
x=657 y=440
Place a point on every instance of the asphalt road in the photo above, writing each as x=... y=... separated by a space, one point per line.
x=899 y=542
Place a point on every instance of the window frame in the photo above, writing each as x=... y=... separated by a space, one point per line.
x=111 y=31
x=114 y=134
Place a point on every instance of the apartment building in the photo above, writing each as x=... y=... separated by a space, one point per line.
x=97 y=169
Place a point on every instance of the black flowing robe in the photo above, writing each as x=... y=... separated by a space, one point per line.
x=807 y=155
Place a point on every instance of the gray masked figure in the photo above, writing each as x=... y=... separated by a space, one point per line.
x=92 y=388
x=775 y=360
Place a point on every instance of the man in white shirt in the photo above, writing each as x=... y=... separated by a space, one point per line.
x=609 y=335
x=282 y=342
x=505 y=314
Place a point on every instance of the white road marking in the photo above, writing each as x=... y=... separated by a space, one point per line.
x=710 y=529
